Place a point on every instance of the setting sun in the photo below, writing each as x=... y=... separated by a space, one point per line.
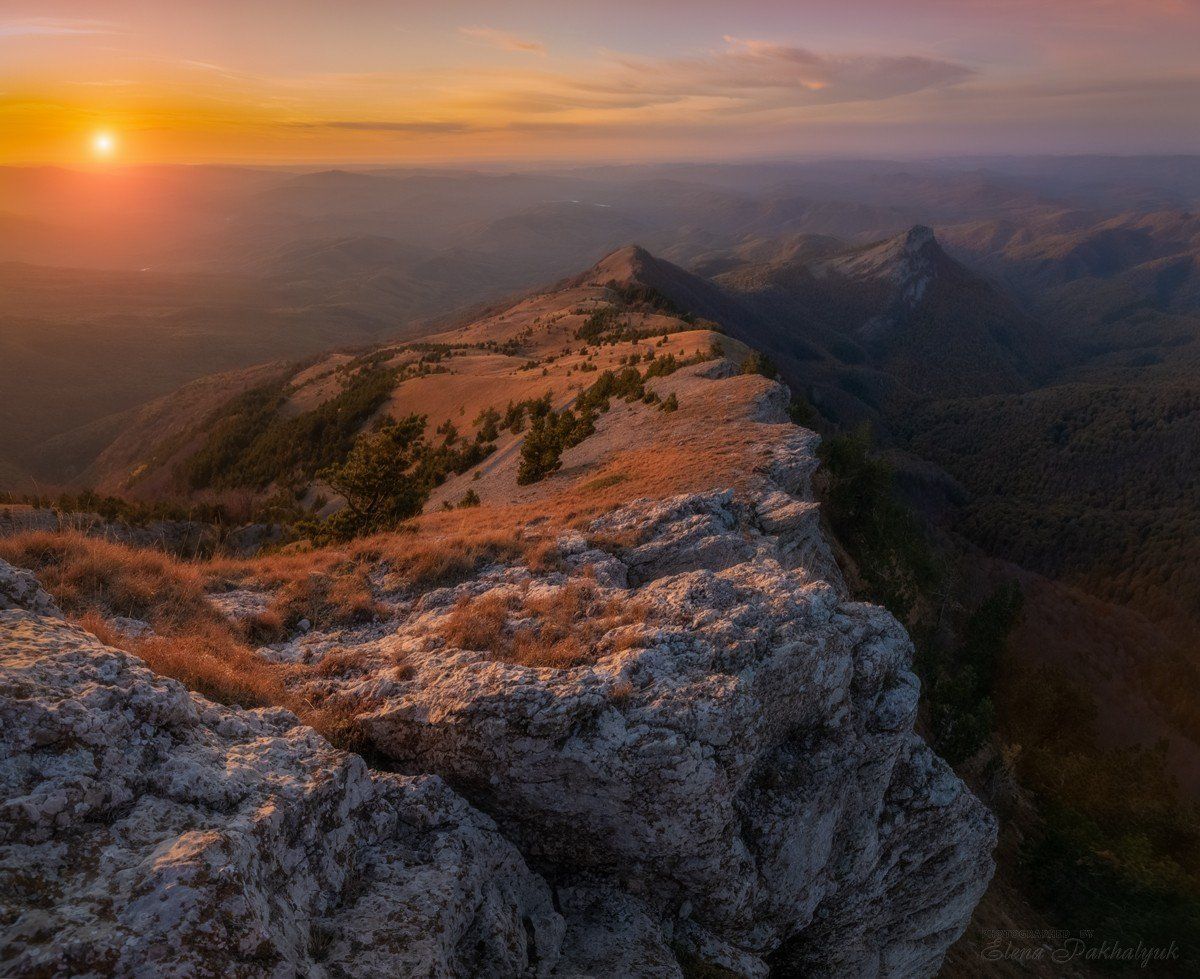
x=103 y=144
x=600 y=488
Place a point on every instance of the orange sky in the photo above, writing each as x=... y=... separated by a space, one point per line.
x=376 y=82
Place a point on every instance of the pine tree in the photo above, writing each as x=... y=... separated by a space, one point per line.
x=376 y=478
x=759 y=363
x=541 y=452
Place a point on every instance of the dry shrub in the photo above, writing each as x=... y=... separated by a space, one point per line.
x=351 y=600
x=327 y=600
x=532 y=647
x=543 y=556
x=99 y=627
x=86 y=574
x=478 y=623
x=215 y=664
x=560 y=629
x=272 y=570
x=262 y=627
x=431 y=561
x=340 y=663
x=219 y=667
x=626 y=639
x=338 y=722
x=328 y=587
x=560 y=609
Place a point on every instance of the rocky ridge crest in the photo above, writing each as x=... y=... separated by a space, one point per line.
x=728 y=779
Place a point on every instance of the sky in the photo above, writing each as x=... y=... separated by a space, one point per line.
x=372 y=82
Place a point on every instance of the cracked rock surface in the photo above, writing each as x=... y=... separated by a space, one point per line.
x=19 y=589
x=145 y=831
x=742 y=764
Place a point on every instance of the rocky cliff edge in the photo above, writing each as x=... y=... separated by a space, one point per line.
x=725 y=776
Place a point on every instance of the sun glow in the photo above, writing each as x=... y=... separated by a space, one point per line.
x=104 y=144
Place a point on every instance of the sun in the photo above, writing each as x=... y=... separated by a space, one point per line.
x=104 y=144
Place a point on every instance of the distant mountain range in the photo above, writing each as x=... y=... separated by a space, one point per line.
x=864 y=330
x=1006 y=296
x=234 y=266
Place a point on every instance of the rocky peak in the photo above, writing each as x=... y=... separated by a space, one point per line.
x=908 y=260
x=918 y=238
x=632 y=263
x=147 y=831
x=742 y=763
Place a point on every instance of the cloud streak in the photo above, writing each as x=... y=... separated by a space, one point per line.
x=763 y=74
x=756 y=82
x=50 y=27
x=385 y=126
x=503 y=40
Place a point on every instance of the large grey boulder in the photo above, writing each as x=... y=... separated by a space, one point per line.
x=145 y=831
x=728 y=783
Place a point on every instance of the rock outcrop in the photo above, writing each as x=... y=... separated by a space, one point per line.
x=146 y=831
x=721 y=777
x=19 y=589
x=741 y=763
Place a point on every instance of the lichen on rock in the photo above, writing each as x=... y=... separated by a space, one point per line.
x=19 y=589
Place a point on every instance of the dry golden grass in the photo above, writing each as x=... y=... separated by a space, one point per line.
x=95 y=580
x=478 y=623
x=262 y=627
x=86 y=574
x=99 y=626
x=215 y=663
x=561 y=629
x=340 y=663
x=218 y=665
x=271 y=570
x=429 y=556
x=425 y=554
x=617 y=540
x=709 y=443
x=542 y=556
x=327 y=600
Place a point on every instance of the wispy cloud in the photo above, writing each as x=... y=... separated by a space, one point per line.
x=52 y=27
x=503 y=40
x=756 y=82
x=385 y=126
x=764 y=74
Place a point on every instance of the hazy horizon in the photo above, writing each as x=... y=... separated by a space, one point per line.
x=409 y=84
x=542 y=165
